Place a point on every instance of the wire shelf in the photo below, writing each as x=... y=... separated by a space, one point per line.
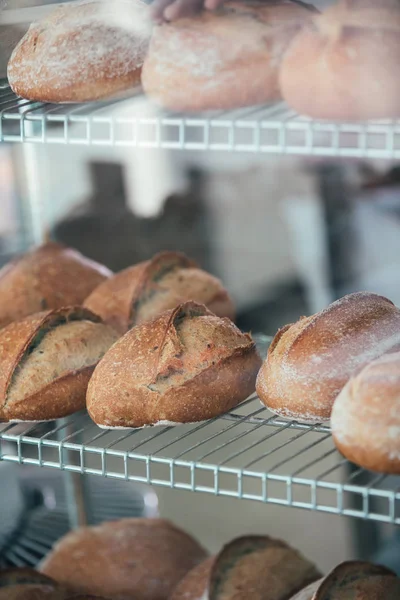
x=272 y=129
x=247 y=453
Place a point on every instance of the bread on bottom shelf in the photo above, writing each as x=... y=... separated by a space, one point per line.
x=138 y=559
x=366 y=416
x=344 y=64
x=310 y=361
x=46 y=361
x=187 y=365
x=256 y=567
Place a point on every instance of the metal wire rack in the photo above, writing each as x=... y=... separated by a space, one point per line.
x=272 y=129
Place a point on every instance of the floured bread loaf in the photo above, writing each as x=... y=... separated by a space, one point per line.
x=366 y=416
x=255 y=567
x=187 y=365
x=50 y=276
x=46 y=361
x=344 y=64
x=309 y=362
x=142 y=292
x=130 y=559
x=82 y=51
x=223 y=59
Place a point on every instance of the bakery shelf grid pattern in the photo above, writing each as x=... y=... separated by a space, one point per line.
x=247 y=453
x=270 y=129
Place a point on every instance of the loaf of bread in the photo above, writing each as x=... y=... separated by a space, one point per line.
x=50 y=276
x=130 y=559
x=366 y=416
x=255 y=567
x=142 y=292
x=355 y=580
x=82 y=51
x=187 y=365
x=343 y=65
x=309 y=362
x=46 y=361
x=223 y=59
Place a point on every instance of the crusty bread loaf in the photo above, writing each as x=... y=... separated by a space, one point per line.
x=344 y=63
x=46 y=361
x=82 y=51
x=223 y=59
x=309 y=362
x=256 y=567
x=142 y=292
x=187 y=365
x=366 y=416
x=51 y=276
x=130 y=559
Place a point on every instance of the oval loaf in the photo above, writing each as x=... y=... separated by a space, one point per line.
x=46 y=361
x=50 y=276
x=309 y=362
x=142 y=292
x=187 y=365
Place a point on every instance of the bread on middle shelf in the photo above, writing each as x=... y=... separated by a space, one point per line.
x=252 y=567
x=310 y=361
x=186 y=365
x=142 y=292
x=46 y=361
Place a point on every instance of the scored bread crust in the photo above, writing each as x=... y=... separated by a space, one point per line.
x=62 y=396
x=344 y=64
x=309 y=362
x=138 y=559
x=142 y=380
x=50 y=276
x=223 y=59
x=82 y=51
x=366 y=416
x=119 y=300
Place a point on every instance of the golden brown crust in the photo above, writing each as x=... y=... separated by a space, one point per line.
x=312 y=360
x=333 y=69
x=125 y=299
x=155 y=373
x=196 y=63
x=61 y=397
x=84 y=51
x=366 y=416
x=50 y=276
x=138 y=559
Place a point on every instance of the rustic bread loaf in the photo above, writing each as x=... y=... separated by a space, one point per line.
x=255 y=567
x=223 y=59
x=344 y=63
x=50 y=276
x=309 y=362
x=187 y=365
x=138 y=559
x=82 y=51
x=46 y=361
x=142 y=292
x=366 y=416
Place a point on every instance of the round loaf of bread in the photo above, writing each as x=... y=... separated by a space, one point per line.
x=309 y=362
x=143 y=292
x=82 y=51
x=187 y=365
x=50 y=276
x=130 y=559
x=46 y=361
x=223 y=59
x=255 y=567
x=344 y=63
x=366 y=416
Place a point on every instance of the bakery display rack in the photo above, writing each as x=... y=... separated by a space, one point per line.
x=133 y=122
x=247 y=453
